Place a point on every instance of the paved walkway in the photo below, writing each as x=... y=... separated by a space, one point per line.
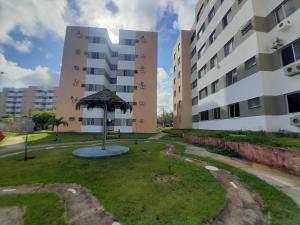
x=157 y=136
x=287 y=183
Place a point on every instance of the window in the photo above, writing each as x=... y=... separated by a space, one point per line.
x=174 y=80
x=215 y=86
x=284 y=10
x=234 y=110
x=194 y=68
x=231 y=77
x=291 y=53
x=213 y=61
x=253 y=103
x=178 y=47
x=179 y=74
x=193 y=52
x=195 y=101
x=194 y=84
x=91 y=121
x=199 y=13
x=200 y=32
x=293 y=102
x=179 y=88
x=212 y=37
x=193 y=37
x=204 y=115
x=247 y=27
x=127 y=73
x=211 y=14
x=195 y=118
x=174 y=68
x=250 y=63
x=203 y=93
x=179 y=60
x=77 y=51
x=202 y=72
x=201 y=51
x=217 y=113
x=226 y=19
x=174 y=93
x=174 y=106
x=228 y=48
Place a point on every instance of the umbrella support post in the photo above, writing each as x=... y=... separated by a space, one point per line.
x=104 y=127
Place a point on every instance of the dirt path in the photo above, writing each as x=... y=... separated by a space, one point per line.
x=287 y=183
x=243 y=206
x=11 y=215
x=81 y=206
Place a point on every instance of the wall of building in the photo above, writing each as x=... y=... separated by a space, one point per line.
x=21 y=102
x=181 y=81
x=116 y=67
x=266 y=80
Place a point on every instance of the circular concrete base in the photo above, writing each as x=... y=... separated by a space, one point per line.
x=98 y=152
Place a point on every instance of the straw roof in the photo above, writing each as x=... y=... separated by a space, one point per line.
x=102 y=98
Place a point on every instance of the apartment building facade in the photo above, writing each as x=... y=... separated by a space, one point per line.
x=182 y=105
x=246 y=65
x=91 y=62
x=19 y=102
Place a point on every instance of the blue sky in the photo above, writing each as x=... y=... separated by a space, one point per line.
x=31 y=43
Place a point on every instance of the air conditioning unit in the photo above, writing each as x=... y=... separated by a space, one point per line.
x=277 y=43
x=142 y=85
x=295 y=121
x=292 y=70
x=284 y=25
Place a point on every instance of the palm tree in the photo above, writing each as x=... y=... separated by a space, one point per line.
x=56 y=122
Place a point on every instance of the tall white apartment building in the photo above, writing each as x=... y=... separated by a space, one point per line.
x=91 y=62
x=245 y=65
x=20 y=102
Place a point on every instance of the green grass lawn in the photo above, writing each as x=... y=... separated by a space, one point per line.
x=281 y=208
x=261 y=138
x=41 y=208
x=45 y=137
x=142 y=187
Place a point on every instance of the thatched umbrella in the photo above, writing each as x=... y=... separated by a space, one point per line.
x=108 y=101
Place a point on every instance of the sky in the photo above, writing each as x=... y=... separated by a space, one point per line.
x=32 y=35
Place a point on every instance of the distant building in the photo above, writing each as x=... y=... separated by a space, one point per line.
x=21 y=102
x=91 y=63
x=182 y=103
x=245 y=66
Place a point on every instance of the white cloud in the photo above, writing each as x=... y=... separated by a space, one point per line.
x=164 y=91
x=16 y=76
x=49 y=55
x=185 y=10
x=35 y=18
x=32 y=18
x=135 y=15
x=22 y=46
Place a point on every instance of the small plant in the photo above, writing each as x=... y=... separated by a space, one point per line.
x=54 y=122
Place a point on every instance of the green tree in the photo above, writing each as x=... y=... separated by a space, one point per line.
x=42 y=118
x=56 y=122
x=165 y=119
x=7 y=119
